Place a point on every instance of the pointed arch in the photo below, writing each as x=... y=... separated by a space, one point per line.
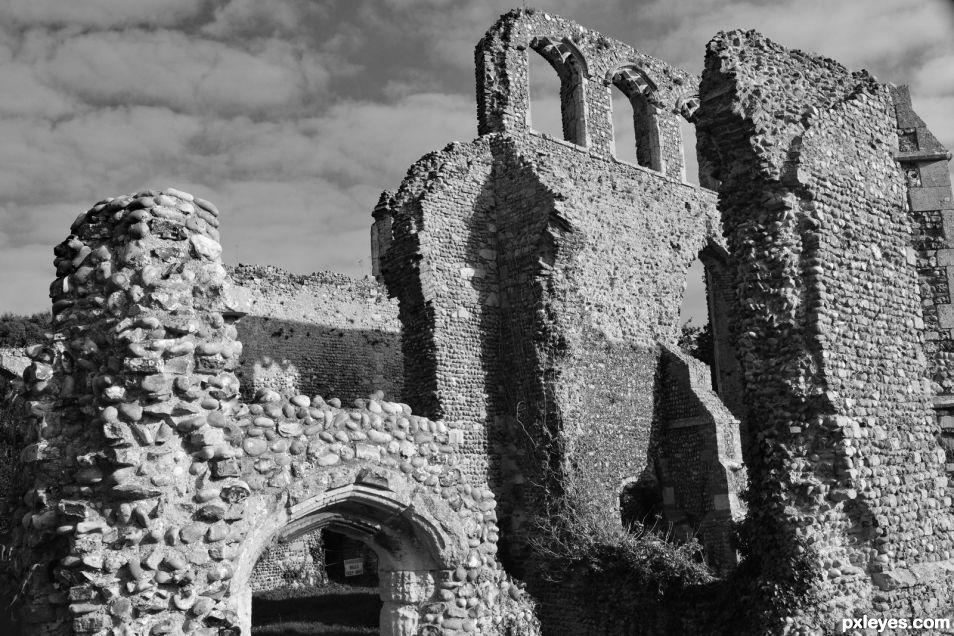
x=640 y=90
x=571 y=68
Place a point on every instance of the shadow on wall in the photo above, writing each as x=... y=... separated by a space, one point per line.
x=297 y=357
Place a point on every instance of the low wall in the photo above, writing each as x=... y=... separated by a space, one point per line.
x=323 y=333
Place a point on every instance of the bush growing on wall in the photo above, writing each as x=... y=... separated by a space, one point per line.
x=20 y=331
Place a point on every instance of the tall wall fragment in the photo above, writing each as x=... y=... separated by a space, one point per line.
x=847 y=480
x=536 y=277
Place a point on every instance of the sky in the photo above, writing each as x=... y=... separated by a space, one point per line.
x=293 y=115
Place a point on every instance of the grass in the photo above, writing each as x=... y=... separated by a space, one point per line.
x=306 y=628
x=332 y=610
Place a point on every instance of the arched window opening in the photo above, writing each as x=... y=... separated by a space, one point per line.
x=698 y=169
x=570 y=69
x=726 y=370
x=323 y=582
x=690 y=159
x=640 y=92
x=695 y=335
x=544 y=114
x=624 y=136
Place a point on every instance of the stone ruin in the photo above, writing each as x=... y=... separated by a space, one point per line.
x=538 y=282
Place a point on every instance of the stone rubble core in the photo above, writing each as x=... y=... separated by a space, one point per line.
x=156 y=488
x=538 y=285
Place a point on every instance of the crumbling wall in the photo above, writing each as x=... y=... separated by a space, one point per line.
x=155 y=487
x=13 y=362
x=697 y=459
x=536 y=276
x=847 y=484
x=321 y=333
x=925 y=163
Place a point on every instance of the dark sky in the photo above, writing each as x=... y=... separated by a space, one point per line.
x=293 y=115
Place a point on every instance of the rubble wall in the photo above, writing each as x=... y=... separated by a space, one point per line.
x=536 y=276
x=321 y=333
x=847 y=481
x=155 y=487
x=13 y=361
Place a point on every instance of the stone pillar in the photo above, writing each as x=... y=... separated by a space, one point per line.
x=403 y=592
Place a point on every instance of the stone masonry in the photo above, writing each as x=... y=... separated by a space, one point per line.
x=540 y=282
x=323 y=333
x=822 y=212
x=154 y=487
x=524 y=366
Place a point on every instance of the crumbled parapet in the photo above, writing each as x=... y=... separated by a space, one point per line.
x=322 y=333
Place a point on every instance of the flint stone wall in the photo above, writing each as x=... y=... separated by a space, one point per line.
x=847 y=478
x=539 y=282
x=154 y=487
x=13 y=362
x=321 y=333
x=536 y=276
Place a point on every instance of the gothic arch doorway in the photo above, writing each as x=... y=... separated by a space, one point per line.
x=412 y=550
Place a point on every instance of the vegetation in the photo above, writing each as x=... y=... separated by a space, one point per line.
x=697 y=342
x=329 y=610
x=629 y=580
x=21 y=331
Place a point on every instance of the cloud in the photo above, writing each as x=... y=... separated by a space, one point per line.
x=293 y=115
x=266 y=18
x=27 y=274
x=170 y=69
x=24 y=94
x=98 y=14
x=875 y=34
x=936 y=77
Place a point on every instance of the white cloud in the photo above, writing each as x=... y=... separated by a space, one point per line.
x=169 y=68
x=27 y=274
x=293 y=115
x=98 y=14
x=264 y=18
x=24 y=94
x=936 y=77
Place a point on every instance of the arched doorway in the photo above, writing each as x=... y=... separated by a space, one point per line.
x=324 y=581
x=413 y=552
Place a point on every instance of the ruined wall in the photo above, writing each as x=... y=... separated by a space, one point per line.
x=155 y=488
x=536 y=276
x=925 y=163
x=539 y=284
x=697 y=458
x=322 y=333
x=847 y=483
x=13 y=362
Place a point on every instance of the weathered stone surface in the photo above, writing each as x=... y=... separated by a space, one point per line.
x=538 y=284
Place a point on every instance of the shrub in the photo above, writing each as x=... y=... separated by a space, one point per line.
x=21 y=331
